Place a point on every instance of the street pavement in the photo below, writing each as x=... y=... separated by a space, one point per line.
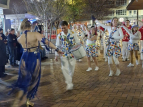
x=91 y=89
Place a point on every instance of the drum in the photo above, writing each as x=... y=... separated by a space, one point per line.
x=78 y=51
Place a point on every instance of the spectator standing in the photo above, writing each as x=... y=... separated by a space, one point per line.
x=12 y=41
x=4 y=38
x=2 y=57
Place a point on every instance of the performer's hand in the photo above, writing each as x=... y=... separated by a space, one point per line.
x=60 y=52
x=56 y=58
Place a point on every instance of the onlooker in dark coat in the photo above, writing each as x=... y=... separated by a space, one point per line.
x=2 y=58
x=4 y=38
x=12 y=42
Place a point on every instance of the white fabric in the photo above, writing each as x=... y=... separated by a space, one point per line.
x=72 y=34
x=104 y=44
x=125 y=51
x=134 y=38
x=110 y=61
x=88 y=42
x=116 y=36
x=68 y=67
x=141 y=47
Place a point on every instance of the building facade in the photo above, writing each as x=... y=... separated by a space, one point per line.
x=123 y=14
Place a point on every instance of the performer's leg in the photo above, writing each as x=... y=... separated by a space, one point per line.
x=136 y=56
x=72 y=63
x=65 y=70
x=128 y=52
x=131 y=59
x=118 y=72
x=17 y=102
x=89 y=64
x=124 y=50
x=110 y=63
x=96 y=63
x=89 y=61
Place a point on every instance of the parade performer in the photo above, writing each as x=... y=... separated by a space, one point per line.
x=91 y=50
x=98 y=43
x=64 y=41
x=86 y=33
x=102 y=33
x=105 y=42
x=125 y=40
x=113 y=49
x=30 y=65
x=141 y=40
x=81 y=35
x=133 y=46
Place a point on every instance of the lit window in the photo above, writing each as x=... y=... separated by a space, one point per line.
x=120 y=12
x=121 y=2
x=130 y=12
x=135 y=12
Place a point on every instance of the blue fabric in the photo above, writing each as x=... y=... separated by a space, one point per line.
x=29 y=73
x=134 y=26
x=43 y=41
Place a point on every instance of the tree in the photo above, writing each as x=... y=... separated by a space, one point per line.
x=99 y=8
x=17 y=10
x=48 y=11
x=74 y=10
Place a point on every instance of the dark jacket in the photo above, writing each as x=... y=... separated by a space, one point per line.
x=12 y=40
x=3 y=57
x=4 y=38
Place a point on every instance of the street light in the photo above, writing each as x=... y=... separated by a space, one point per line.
x=121 y=19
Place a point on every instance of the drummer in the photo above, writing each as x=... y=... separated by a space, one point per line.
x=91 y=50
x=64 y=40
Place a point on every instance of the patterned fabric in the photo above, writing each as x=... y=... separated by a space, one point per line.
x=80 y=35
x=133 y=47
x=98 y=45
x=66 y=42
x=106 y=40
x=91 y=50
x=113 y=49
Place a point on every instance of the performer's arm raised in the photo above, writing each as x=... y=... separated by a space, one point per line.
x=104 y=26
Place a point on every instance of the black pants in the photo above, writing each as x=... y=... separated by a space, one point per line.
x=2 y=71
